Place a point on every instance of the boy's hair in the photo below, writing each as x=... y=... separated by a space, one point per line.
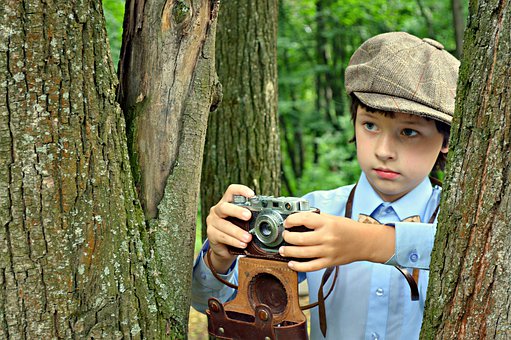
x=443 y=128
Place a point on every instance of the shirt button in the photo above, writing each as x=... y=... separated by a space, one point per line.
x=203 y=276
x=414 y=257
x=380 y=292
x=375 y=336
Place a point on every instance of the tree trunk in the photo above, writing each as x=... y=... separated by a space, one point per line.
x=71 y=230
x=168 y=86
x=469 y=290
x=242 y=144
x=457 y=18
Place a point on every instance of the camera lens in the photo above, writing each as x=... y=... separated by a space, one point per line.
x=265 y=229
x=268 y=228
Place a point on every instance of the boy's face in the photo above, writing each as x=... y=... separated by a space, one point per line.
x=396 y=153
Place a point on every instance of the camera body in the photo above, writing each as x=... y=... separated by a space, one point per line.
x=267 y=224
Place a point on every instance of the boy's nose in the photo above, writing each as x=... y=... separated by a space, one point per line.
x=385 y=148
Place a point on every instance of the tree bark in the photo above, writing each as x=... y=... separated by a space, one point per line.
x=168 y=86
x=71 y=229
x=242 y=144
x=469 y=290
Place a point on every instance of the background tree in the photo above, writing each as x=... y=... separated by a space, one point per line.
x=468 y=294
x=79 y=259
x=168 y=85
x=242 y=144
x=459 y=25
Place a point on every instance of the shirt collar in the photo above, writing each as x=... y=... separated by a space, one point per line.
x=366 y=200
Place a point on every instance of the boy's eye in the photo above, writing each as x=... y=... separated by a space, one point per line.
x=409 y=133
x=370 y=126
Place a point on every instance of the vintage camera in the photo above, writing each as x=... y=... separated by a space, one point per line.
x=267 y=223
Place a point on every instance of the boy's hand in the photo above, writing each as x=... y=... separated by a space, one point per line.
x=222 y=233
x=334 y=241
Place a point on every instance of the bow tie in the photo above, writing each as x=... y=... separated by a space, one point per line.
x=370 y=220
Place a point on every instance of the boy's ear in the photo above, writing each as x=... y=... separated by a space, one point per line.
x=444 y=149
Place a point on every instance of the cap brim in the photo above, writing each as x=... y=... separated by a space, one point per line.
x=396 y=104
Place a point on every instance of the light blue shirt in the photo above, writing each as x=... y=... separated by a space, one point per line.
x=369 y=300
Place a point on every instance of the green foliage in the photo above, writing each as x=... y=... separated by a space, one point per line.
x=114 y=16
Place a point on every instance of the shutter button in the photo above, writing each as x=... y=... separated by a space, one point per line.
x=433 y=43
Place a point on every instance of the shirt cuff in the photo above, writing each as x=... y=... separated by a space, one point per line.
x=392 y=261
x=414 y=243
x=203 y=275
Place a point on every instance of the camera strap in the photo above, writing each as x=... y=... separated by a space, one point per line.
x=214 y=272
x=321 y=298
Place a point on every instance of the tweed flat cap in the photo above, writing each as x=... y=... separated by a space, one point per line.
x=402 y=73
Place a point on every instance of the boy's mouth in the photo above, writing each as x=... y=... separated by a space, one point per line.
x=386 y=173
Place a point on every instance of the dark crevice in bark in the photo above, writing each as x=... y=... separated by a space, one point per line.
x=3 y=300
x=11 y=183
x=56 y=324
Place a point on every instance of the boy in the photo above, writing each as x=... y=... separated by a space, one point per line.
x=402 y=90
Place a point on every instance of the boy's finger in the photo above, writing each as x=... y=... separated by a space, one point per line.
x=308 y=219
x=221 y=227
x=308 y=266
x=301 y=238
x=301 y=252
x=237 y=189
x=225 y=209
x=228 y=240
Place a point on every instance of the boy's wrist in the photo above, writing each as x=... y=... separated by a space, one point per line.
x=383 y=244
x=220 y=264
